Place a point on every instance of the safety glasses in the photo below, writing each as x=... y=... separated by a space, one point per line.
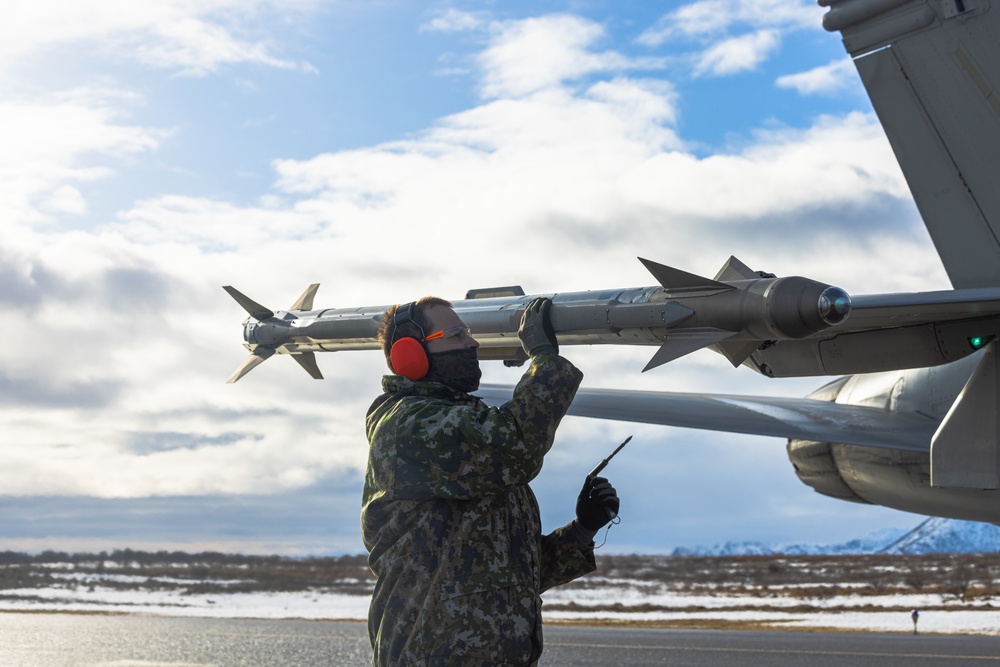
x=450 y=332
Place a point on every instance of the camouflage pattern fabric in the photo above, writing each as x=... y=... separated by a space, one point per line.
x=451 y=526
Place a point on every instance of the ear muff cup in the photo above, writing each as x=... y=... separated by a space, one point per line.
x=409 y=358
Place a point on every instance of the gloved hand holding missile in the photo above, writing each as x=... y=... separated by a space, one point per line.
x=535 y=332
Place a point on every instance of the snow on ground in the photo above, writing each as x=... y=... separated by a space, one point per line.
x=878 y=613
x=306 y=605
x=959 y=618
x=600 y=597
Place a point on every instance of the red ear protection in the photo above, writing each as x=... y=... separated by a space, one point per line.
x=409 y=358
x=407 y=355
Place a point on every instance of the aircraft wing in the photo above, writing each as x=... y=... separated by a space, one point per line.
x=932 y=71
x=791 y=418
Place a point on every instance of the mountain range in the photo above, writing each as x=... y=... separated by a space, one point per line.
x=933 y=535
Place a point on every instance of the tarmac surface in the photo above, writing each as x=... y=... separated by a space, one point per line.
x=639 y=647
x=86 y=640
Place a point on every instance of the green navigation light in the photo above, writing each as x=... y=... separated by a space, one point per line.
x=979 y=341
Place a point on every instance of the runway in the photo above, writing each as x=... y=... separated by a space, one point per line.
x=581 y=646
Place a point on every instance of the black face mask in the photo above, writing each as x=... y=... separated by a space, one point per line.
x=459 y=369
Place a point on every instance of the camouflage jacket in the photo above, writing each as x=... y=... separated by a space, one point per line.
x=451 y=526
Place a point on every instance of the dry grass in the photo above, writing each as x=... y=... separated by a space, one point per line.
x=201 y=573
x=961 y=576
x=964 y=578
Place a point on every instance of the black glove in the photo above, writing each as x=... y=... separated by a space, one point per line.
x=597 y=504
x=536 y=333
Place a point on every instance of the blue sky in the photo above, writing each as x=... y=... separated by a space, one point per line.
x=152 y=152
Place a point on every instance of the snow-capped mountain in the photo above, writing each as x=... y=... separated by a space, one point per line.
x=933 y=535
x=938 y=535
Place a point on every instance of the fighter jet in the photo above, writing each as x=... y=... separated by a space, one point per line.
x=912 y=422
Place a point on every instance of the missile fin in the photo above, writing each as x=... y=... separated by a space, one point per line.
x=305 y=302
x=737 y=352
x=671 y=278
x=734 y=269
x=259 y=355
x=256 y=310
x=685 y=342
x=308 y=360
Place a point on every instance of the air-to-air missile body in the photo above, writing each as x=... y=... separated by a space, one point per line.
x=738 y=311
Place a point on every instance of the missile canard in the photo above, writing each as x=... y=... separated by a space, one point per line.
x=736 y=312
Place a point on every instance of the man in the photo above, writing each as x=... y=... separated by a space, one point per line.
x=452 y=528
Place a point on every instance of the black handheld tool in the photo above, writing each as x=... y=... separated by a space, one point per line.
x=604 y=464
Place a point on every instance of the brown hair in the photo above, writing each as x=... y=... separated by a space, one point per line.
x=389 y=333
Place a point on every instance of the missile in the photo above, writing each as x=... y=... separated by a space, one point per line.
x=736 y=313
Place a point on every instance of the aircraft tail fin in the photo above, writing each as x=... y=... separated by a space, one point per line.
x=932 y=71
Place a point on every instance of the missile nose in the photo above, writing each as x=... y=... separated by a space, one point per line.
x=834 y=305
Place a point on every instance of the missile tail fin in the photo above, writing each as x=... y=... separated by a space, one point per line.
x=259 y=355
x=256 y=310
x=685 y=342
x=305 y=302
x=308 y=361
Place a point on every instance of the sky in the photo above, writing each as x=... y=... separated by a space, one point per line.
x=152 y=152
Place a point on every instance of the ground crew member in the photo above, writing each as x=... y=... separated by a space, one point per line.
x=452 y=528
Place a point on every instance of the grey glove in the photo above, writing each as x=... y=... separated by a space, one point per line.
x=597 y=504
x=536 y=333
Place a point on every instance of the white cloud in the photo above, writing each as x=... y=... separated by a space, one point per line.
x=50 y=140
x=215 y=225
x=589 y=178
x=710 y=18
x=454 y=20
x=839 y=160
x=527 y=56
x=198 y=47
x=65 y=199
x=826 y=79
x=257 y=454
x=738 y=54
x=194 y=37
x=731 y=36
